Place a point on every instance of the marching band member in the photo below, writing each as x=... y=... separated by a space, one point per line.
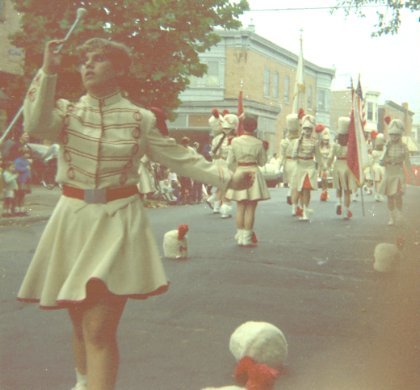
x=306 y=153
x=377 y=168
x=247 y=154
x=97 y=249
x=220 y=150
x=287 y=146
x=325 y=146
x=343 y=179
x=394 y=158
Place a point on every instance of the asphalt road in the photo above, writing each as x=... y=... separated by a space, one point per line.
x=348 y=327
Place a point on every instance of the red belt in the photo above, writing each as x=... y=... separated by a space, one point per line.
x=246 y=164
x=341 y=158
x=102 y=195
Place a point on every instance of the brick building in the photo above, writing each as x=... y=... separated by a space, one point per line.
x=266 y=73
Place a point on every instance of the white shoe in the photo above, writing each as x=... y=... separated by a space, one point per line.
x=225 y=210
x=79 y=386
x=216 y=207
x=247 y=238
x=238 y=236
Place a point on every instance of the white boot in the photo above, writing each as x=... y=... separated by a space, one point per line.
x=391 y=221
x=304 y=216
x=247 y=238
x=226 y=210
x=239 y=236
x=81 y=381
x=216 y=207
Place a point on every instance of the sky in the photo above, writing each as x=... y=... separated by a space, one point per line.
x=388 y=64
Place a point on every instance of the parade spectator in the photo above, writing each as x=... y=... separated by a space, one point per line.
x=248 y=153
x=185 y=182
x=394 y=159
x=23 y=167
x=10 y=185
x=97 y=249
x=344 y=181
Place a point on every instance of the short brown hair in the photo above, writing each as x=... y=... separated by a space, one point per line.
x=118 y=53
x=250 y=123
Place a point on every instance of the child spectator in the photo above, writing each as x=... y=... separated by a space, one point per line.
x=23 y=168
x=9 y=178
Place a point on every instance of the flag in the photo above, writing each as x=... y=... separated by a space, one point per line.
x=299 y=88
x=362 y=108
x=357 y=155
x=240 y=129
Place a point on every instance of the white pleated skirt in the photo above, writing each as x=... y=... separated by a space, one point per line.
x=109 y=242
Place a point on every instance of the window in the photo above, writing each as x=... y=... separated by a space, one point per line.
x=212 y=76
x=266 y=86
x=209 y=79
x=371 y=107
x=323 y=100
x=286 y=92
x=309 y=98
x=275 y=92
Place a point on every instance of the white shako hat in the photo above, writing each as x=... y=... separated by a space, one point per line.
x=175 y=243
x=380 y=139
x=261 y=341
x=343 y=125
x=308 y=121
x=396 y=127
x=215 y=122
x=230 y=121
x=326 y=134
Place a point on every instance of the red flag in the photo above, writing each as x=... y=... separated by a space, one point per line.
x=240 y=129
x=357 y=156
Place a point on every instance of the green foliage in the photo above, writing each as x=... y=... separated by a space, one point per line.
x=389 y=17
x=165 y=36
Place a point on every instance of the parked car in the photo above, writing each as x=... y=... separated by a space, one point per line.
x=415 y=168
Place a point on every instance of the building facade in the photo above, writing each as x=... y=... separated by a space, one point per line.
x=265 y=73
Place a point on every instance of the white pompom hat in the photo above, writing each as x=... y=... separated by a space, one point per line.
x=230 y=121
x=260 y=350
x=396 y=127
x=308 y=121
x=343 y=125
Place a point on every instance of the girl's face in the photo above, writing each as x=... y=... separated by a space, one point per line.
x=98 y=74
x=342 y=139
x=307 y=132
x=394 y=138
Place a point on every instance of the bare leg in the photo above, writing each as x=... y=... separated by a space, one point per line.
x=95 y=324
x=347 y=198
x=240 y=214
x=306 y=197
x=251 y=206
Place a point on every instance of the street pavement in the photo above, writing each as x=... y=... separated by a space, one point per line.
x=348 y=327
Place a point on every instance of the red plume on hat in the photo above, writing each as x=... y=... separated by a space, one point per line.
x=319 y=128
x=255 y=376
x=182 y=231
x=373 y=134
x=160 y=120
x=215 y=112
x=301 y=113
x=265 y=144
x=387 y=119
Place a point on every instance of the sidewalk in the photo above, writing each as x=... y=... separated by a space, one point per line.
x=40 y=202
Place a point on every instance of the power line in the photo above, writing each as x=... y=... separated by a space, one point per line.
x=316 y=8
